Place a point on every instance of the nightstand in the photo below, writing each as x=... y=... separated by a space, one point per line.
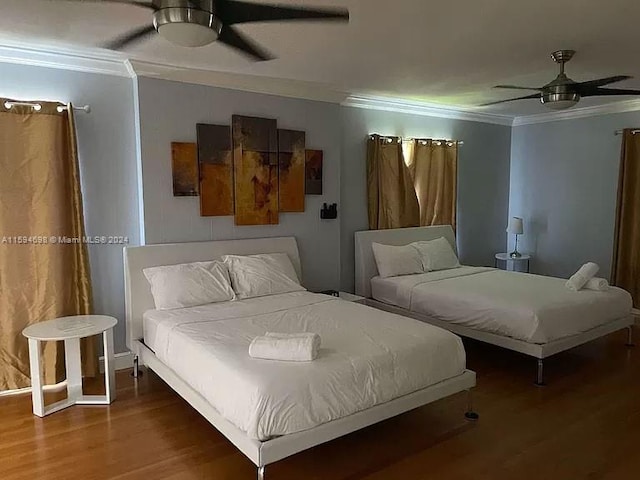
x=71 y=330
x=506 y=258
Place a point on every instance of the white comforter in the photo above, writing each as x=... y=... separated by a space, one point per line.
x=367 y=357
x=527 y=307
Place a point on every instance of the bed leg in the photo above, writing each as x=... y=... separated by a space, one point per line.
x=136 y=368
x=470 y=414
x=540 y=374
x=630 y=336
x=261 y=471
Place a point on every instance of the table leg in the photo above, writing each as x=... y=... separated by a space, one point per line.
x=37 y=395
x=73 y=366
x=109 y=366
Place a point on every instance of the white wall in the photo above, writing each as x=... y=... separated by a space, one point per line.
x=106 y=149
x=564 y=177
x=483 y=179
x=169 y=111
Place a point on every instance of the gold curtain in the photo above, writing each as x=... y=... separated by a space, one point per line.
x=625 y=272
x=433 y=165
x=40 y=198
x=391 y=197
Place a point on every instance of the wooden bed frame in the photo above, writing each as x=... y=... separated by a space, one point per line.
x=138 y=299
x=366 y=269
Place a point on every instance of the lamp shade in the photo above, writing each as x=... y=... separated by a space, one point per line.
x=515 y=226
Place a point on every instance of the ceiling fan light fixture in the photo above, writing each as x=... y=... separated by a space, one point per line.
x=560 y=101
x=187 y=27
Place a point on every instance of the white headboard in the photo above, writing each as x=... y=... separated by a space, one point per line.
x=138 y=298
x=366 y=267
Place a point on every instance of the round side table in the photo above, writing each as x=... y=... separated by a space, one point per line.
x=70 y=330
x=505 y=257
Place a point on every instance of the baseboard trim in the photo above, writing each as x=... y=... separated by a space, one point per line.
x=58 y=387
x=123 y=361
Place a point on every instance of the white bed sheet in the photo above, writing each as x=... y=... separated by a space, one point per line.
x=368 y=357
x=527 y=307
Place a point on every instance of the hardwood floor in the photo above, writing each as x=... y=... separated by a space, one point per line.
x=584 y=425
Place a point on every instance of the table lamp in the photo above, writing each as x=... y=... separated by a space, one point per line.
x=515 y=227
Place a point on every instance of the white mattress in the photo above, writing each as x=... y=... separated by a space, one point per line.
x=527 y=307
x=367 y=357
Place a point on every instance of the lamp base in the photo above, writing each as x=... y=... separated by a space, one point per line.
x=515 y=254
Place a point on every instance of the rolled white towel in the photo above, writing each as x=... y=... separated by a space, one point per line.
x=579 y=279
x=314 y=336
x=596 y=283
x=287 y=349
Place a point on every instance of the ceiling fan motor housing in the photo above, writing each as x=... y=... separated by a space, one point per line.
x=559 y=98
x=561 y=93
x=189 y=23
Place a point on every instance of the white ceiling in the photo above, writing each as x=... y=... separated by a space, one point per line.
x=448 y=52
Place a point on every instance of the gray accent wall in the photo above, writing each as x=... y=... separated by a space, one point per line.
x=564 y=178
x=106 y=150
x=483 y=179
x=169 y=111
x=561 y=177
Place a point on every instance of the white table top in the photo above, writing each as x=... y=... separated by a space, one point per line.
x=506 y=256
x=65 y=328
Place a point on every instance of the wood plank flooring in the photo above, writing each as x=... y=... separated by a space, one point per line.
x=585 y=424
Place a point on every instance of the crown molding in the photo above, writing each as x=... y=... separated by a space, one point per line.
x=426 y=109
x=66 y=58
x=92 y=60
x=606 y=109
x=281 y=87
x=131 y=71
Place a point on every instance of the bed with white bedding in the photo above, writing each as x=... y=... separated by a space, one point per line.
x=372 y=365
x=368 y=357
x=531 y=308
x=532 y=314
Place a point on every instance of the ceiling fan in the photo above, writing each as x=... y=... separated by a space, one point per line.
x=195 y=23
x=563 y=92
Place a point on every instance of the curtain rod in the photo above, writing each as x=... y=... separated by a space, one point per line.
x=37 y=106
x=620 y=132
x=422 y=140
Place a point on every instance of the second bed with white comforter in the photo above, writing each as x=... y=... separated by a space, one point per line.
x=368 y=357
x=532 y=308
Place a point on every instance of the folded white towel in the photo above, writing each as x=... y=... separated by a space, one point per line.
x=579 y=279
x=286 y=347
x=596 y=283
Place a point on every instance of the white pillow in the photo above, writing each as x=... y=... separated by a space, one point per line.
x=393 y=260
x=189 y=284
x=437 y=255
x=260 y=275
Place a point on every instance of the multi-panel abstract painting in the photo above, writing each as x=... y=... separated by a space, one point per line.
x=252 y=170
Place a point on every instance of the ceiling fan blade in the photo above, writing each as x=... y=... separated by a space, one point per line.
x=130 y=38
x=597 y=92
x=514 y=87
x=603 y=81
x=149 y=4
x=535 y=95
x=230 y=36
x=232 y=12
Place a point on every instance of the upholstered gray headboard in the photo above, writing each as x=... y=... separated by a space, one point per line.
x=366 y=267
